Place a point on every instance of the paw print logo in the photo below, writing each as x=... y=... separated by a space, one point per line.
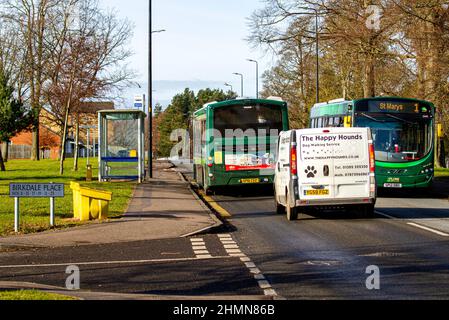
x=311 y=172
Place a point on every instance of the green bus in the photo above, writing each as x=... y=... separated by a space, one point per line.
x=403 y=131
x=235 y=141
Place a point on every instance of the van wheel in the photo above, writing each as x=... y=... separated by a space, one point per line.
x=292 y=212
x=280 y=209
x=367 y=211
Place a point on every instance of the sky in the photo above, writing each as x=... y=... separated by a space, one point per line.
x=203 y=45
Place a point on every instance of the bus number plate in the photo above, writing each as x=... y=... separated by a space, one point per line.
x=249 y=181
x=324 y=192
x=393 y=185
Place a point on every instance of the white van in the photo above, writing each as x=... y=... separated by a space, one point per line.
x=325 y=168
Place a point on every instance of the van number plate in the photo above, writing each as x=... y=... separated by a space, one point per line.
x=324 y=192
x=249 y=181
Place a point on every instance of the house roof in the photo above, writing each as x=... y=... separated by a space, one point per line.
x=95 y=106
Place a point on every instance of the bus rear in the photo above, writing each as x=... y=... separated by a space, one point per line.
x=245 y=136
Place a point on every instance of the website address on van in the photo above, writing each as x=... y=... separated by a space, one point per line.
x=333 y=158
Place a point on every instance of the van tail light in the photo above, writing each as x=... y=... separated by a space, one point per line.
x=372 y=158
x=293 y=161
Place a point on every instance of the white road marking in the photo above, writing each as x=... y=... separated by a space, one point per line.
x=229 y=242
x=51 y=265
x=232 y=248
x=205 y=256
x=196 y=240
x=385 y=215
x=231 y=251
x=255 y=271
x=198 y=252
x=416 y=225
x=237 y=255
x=428 y=229
x=199 y=248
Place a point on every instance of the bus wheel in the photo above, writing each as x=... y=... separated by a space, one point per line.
x=280 y=209
x=292 y=212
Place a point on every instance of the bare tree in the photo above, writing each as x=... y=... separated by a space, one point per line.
x=88 y=64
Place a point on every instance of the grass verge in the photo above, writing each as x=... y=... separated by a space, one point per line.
x=35 y=213
x=30 y=295
x=442 y=173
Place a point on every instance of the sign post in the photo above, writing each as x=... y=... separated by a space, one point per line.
x=35 y=190
x=16 y=215
x=139 y=102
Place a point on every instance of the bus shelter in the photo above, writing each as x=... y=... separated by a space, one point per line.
x=121 y=153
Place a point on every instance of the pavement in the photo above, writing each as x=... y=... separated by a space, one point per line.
x=163 y=208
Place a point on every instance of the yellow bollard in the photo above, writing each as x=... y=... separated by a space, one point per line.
x=76 y=200
x=89 y=173
x=94 y=204
x=133 y=154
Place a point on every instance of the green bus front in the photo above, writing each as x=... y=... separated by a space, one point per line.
x=403 y=131
x=235 y=142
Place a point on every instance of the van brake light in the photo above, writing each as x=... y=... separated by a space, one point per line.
x=372 y=158
x=293 y=161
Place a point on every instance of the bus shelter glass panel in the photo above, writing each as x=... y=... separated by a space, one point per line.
x=121 y=145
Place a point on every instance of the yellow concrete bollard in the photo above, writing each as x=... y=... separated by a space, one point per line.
x=90 y=204
x=76 y=200
x=94 y=204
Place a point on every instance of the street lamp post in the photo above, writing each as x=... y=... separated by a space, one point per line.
x=257 y=76
x=228 y=85
x=150 y=88
x=241 y=76
x=317 y=49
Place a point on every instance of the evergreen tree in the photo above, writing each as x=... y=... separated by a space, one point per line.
x=180 y=111
x=14 y=117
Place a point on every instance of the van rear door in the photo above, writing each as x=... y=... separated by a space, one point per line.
x=334 y=163
x=352 y=164
x=315 y=165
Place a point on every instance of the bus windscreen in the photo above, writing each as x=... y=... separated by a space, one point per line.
x=398 y=137
x=255 y=117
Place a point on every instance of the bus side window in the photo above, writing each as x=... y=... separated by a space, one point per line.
x=203 y=131
x=331 y=122
x=338 y=121
x=320 y=123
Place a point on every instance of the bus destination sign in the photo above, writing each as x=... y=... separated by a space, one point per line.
x=36 y=190
x=398 y=107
